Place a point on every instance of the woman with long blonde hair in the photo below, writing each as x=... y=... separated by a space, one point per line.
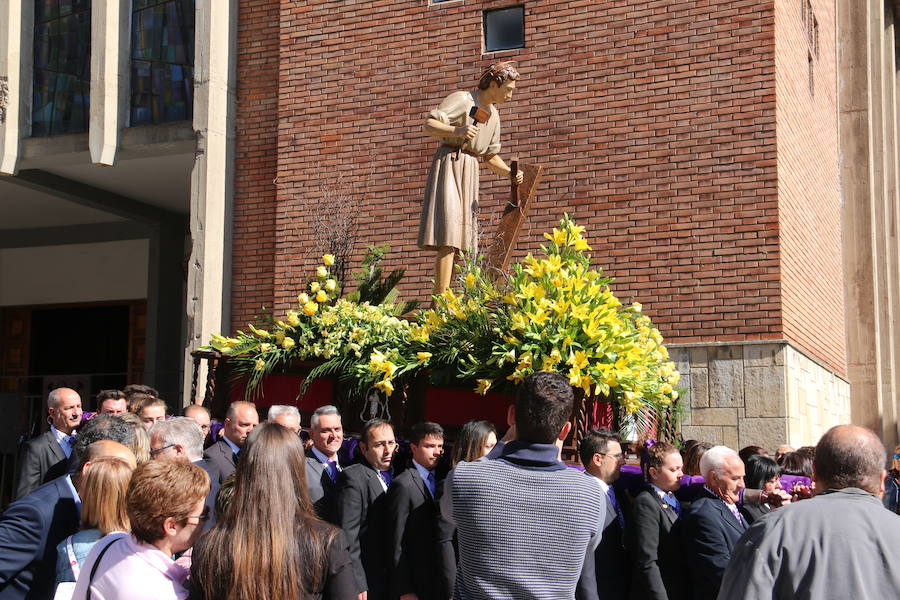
x=269 y=544
x=101 y=487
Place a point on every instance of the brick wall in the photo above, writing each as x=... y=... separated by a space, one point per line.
x=808 y=183
x=253 y=250
x=655 y=123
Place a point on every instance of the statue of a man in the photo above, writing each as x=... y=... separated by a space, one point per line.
x=450 y=213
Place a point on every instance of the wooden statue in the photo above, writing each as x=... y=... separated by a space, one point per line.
x=468 y=126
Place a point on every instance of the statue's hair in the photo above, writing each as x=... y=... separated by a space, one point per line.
x=498 y=73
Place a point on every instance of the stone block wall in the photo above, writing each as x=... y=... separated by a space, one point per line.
x=763 y=393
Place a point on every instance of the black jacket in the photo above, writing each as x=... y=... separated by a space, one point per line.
x=709 y=532
x=656 y=552
x=612 y=564
x=361 y=512
x=417 y=564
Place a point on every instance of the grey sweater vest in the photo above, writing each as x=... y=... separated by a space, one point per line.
x=523 y=533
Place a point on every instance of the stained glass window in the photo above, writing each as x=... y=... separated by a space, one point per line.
x=162 y=61
x=62 y=67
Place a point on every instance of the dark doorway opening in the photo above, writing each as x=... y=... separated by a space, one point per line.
x=85 y=347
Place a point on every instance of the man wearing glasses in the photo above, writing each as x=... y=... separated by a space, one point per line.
x=180 y=439
x=361 y=508
x=602 y=456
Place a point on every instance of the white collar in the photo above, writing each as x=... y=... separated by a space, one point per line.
x=604 y=487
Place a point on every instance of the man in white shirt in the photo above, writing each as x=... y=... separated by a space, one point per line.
x=361 y=508
x=602 y=456
x=50 y=455
x=322 y=465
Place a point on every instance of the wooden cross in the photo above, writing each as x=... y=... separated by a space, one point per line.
x=514 y=213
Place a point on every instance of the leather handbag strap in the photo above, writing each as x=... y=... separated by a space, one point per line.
x=96 y=565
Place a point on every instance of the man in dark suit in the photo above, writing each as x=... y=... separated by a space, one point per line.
x=181 y=439
x=222 y=456
x=602 y=456
x=418 y=569
x=31 y=528
x=200 y=414
x=653 y=540
x=322 y=466
x=712 y=525
x=361 y=508
x=50 y=455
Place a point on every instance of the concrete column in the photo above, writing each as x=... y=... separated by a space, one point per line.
x=212 y=181
x=880 y=140
x=16 y=73
x=857 y=173
x=110 y=77
x=890 y=257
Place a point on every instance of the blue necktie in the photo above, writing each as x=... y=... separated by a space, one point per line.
x=430 y=483
x=672 y=501
x=615 y=504
x=386 y=477
x=69 y=443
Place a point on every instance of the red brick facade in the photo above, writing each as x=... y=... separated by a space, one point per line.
x=808 y=182
x=253 y=260
x=655 y=124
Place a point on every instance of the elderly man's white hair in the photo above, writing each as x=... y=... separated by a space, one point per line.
x=183 y=431
x=281 y=409
x=328 y=409
x=715 y=458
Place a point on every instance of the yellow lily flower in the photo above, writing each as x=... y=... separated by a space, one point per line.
x=328 y=259
x=483 y=385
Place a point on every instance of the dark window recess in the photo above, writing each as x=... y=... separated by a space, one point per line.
x=504 y=28
x=62 y=67
x=162 y=61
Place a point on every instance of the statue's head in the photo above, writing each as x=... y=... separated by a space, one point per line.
x=499 y=78
x=498 y=74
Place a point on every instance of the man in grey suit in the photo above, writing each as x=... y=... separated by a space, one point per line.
x=841 y=543
x=50 y=455
x=222 y=456
x=322 y=466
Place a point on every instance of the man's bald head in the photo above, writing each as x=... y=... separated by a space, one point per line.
x=111 y=449
x=849 y=456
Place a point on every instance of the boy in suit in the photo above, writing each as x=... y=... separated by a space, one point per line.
x=412 y=514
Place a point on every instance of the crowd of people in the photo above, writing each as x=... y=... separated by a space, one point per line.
x=130 y=503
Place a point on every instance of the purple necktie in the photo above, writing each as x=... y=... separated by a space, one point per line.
x=386 y=477
x=332 y=470
x=737 y=514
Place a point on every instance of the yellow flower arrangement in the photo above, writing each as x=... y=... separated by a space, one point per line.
x=554 y=313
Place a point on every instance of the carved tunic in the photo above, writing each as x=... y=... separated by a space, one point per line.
x=450 y=210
